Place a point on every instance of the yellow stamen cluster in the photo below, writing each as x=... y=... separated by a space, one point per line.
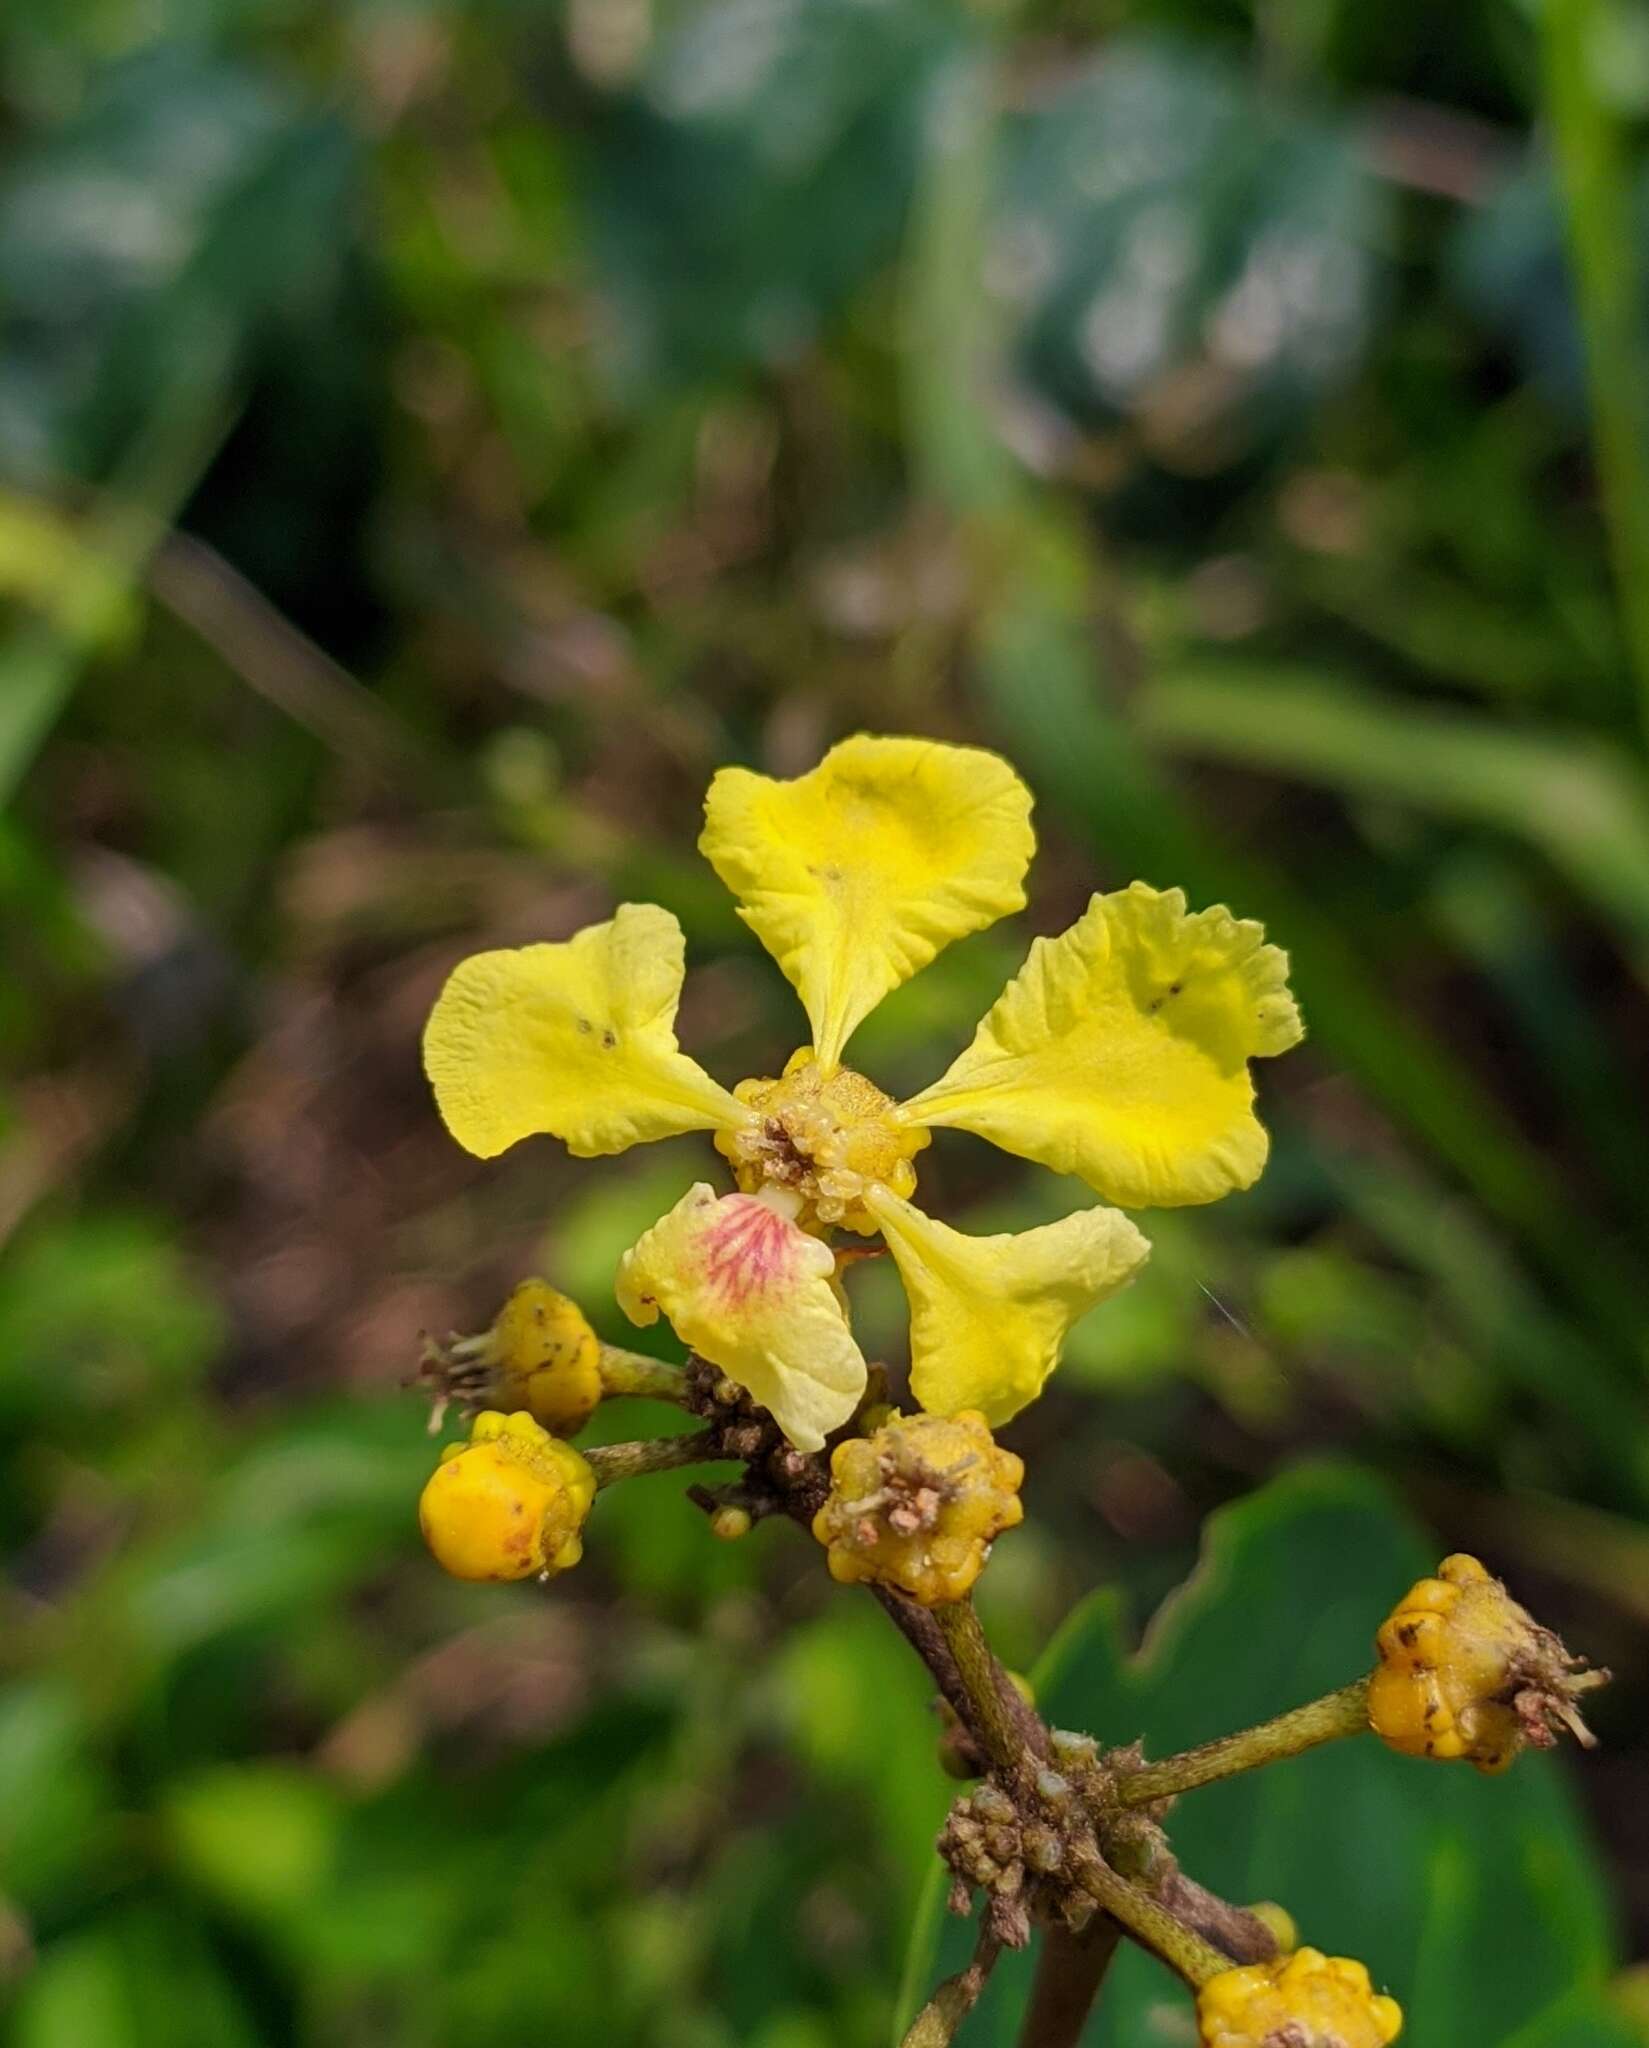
x=1306 y=2000
x=510 y=1503
x=917 y=1505
x=827 y=1137
x=1465 y=1672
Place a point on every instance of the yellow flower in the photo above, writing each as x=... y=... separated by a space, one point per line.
x=1466 y=1673
x=1119 y=1053
x=1306 y=2000
x=918 y=1504
x=509 y=1503
x=748 y=1290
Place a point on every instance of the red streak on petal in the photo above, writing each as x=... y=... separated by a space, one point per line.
x=746 y=1249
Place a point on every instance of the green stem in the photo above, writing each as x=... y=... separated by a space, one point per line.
x=1594 y=165
x=613 y=1462
x=632 y=1372
x=1150 y=1924
x=994 y=1709
x=935 y=2026
x=1339 y=1713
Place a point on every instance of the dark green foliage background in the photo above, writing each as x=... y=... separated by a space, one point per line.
x=433 y=437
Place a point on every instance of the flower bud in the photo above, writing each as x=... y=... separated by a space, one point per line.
x=1308 y=2000
x=539 y=1355
x=546 y=1357
x=917 y=1505
x=1465 y=1672
x=509 y=1503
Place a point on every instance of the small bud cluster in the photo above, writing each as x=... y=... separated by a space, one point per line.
x=918 y=1504
x=1304 y=2000
x=990 y=1849
x=1465 y=1672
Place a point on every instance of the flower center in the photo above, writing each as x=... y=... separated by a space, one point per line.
x=826 y=1137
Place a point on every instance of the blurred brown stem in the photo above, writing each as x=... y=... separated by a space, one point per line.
x=1069 y=1971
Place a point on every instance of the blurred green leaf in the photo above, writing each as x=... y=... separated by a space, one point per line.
x=259 y=1839
x=754 y=177
x=55 y=1795
x=1581 y=801
x=1184 y=248
x=141 y=1977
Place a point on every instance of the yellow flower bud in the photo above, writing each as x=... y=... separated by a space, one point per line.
x=539 y=1354
x=546 y=1357
x=509 y=1503
x=917 y=1504
x=1307 y=2000
x=1465 y=1672
x=1279 y=1922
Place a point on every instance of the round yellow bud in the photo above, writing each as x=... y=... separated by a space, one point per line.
x=1307 y=1999
x=918 y=1504
x=1465 y=1672
x=1279 y=1923
x=510 y=1503
x=546 y=1358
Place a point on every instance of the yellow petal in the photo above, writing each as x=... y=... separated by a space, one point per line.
x=988 y=1314
x=576 y=1040
x=745 y=1288
x=1120 y=1052
x=856 y=874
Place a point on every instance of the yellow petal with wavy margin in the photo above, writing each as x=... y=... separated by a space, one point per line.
x=745 y=1288
x=988 y=1315
x=856 y=874
x=1120 y=1052
x=575 y=1039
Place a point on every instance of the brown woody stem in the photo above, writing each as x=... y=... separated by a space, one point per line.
x=1339 y=1713
x=1070 y=1968
x=1242 y=1935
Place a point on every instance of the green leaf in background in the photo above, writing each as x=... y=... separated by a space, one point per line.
x=1186 y=250
x=188 y=214
x=142 y=1977
x=753 y=178
x=1474 y=1900
x=188 y=201
x=100 y=1317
